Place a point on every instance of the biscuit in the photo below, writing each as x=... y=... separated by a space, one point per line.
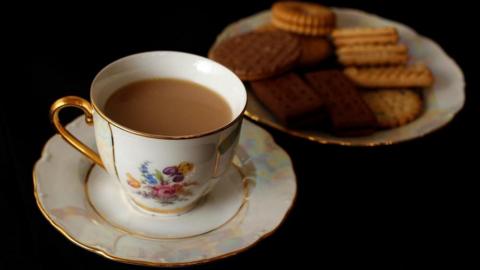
x=300 y=29
x=290 y=99
x=394 y=107
x=361 y=55
x=371 y=59
x=314 y=50
x=389 y=48
x=258 y=55
x=416 y=75
x=390 y=39
x=364 y=36
x=303 y=18
x=348 y=112
x=363 y=31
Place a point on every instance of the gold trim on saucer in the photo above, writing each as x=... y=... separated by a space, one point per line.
x=140 y=262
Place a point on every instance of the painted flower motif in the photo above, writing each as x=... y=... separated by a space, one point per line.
x=185 y=167
x=178 y=178
x=132 y=181
x=166 y=186
x=164 y=191
x=178 y=188
x=172 y=170
x=150 y=178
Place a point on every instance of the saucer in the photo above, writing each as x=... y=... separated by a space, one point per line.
x=86 y=205
x=220 y=205
x=442 y=101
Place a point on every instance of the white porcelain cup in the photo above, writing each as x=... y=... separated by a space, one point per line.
x=165 y=174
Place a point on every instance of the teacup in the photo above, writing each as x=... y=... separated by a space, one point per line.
x=145 y=164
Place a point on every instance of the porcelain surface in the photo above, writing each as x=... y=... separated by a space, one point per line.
x=80 y=203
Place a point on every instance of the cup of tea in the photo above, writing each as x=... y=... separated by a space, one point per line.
x=166 y=126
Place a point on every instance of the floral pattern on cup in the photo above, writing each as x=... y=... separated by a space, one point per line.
x=168 y=186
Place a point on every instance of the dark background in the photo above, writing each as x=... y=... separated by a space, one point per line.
x=394 y=207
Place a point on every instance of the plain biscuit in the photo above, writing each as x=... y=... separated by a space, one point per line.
x=393 y=107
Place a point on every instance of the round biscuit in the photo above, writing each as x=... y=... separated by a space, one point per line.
x=303 y=14
x=258 y=55
x=394 y=107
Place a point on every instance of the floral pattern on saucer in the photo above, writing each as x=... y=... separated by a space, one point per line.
x=167 y=186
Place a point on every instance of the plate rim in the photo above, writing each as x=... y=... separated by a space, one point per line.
x=115 y=258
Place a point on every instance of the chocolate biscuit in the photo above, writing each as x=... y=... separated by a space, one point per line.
x=258 y=55
x=314 y=50
x=291 y=100
x=348 y=112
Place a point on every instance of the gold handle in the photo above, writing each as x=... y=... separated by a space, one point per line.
x=77 y=102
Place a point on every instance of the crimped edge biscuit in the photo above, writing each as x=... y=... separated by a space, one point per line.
x=363 y=32
x=303 y=14
x=372 y=59
x=416 y=75
x=302 y=29
x=387 y=48
x=384 y=39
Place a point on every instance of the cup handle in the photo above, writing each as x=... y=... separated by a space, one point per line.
x=77 y=102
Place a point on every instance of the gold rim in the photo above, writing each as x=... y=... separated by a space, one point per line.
x=149 y=135
x=127 y=231
x=141 y=262
x=114 y=159
x=298 y=134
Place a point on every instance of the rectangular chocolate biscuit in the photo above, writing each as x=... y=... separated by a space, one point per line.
x=348 y=113
x=291 y=100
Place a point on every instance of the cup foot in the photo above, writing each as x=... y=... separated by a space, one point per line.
x=168 y=213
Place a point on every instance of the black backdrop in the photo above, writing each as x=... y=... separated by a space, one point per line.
x=399 y=206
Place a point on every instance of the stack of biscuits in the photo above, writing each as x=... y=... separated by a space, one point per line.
x=369 y=46
x=375 y=60
x=288 y=65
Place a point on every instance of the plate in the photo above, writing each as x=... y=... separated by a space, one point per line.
x=442 y=101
